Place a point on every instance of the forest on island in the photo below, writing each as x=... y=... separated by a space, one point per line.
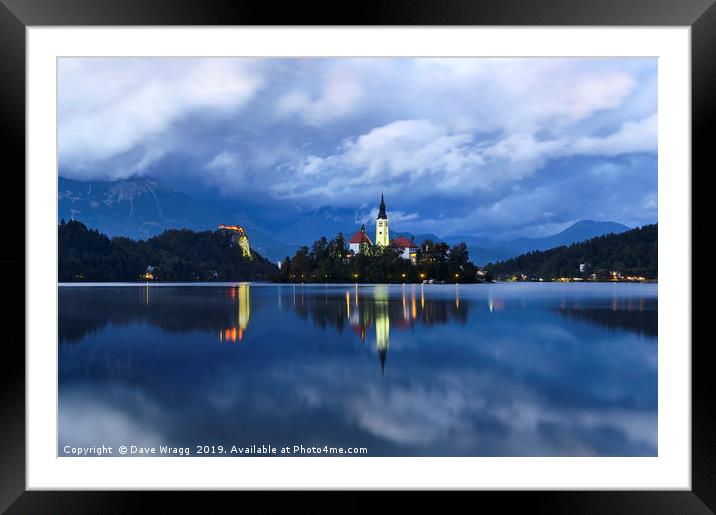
x=332 y=261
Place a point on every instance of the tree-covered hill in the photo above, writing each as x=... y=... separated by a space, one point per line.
x=174 y=255
x=633 y=252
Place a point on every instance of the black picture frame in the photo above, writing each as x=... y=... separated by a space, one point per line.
x=17 y=15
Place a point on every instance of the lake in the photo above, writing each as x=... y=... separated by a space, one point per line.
x=519 y=369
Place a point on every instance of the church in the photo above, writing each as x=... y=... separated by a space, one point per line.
x=360 y=243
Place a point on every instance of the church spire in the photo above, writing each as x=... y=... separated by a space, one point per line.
x=381 y=212
x=382 y=238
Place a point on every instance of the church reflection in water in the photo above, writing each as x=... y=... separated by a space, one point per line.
x=377 y=309
x=382 y=323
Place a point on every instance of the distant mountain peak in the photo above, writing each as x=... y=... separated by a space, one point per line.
x=595 y=226
x=136 y=181
x=111 y=193
x=580 y=223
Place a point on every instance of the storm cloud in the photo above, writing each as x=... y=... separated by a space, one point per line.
x=482 y=146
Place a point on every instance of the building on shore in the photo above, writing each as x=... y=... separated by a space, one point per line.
x=408 y=249
x=360 y=242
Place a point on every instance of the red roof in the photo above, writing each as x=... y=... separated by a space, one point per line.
x=403 y=242
x=361 y=237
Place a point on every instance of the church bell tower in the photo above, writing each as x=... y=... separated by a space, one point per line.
x=382 y=238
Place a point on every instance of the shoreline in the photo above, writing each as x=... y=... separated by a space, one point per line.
x=268 y=283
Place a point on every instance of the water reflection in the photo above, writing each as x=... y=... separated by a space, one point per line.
x=641 y=321
x=227 y=310
x=240 y=295
x=382 y=323
x=473 y=370
x=367 y=306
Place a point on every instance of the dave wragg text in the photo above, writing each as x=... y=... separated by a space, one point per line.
x=152 y=451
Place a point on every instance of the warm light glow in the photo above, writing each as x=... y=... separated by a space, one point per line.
x=405 y=307
x=244 y=307
x=243 y=238
x=237 y=228
x=236 y=332
x=231 y=334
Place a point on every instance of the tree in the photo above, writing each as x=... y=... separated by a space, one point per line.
x=285 y=269
x=301 y=265
x=458 y=259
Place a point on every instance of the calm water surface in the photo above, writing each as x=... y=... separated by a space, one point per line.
x=532 y=369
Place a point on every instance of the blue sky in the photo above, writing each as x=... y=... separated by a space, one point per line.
x=504 y=147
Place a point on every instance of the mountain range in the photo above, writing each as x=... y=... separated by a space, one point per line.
x=140 y=208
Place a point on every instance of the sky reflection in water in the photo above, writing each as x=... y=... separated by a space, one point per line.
x=434 y=370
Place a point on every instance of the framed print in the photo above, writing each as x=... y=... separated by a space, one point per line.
x=416 y=249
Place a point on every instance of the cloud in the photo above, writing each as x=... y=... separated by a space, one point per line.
x=525 y=94
x=225 y=171
x=110 y=107
x=403 y=150
x=339 y=95
x=395 y=217
x=593 y=92
x=632 y=137
x=520 y=154
x=405 y=146
x=223 y=161
x=412 y=152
